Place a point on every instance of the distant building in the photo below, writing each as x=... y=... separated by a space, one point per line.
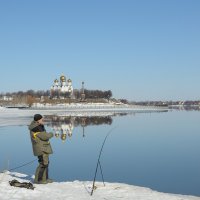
x=62 y=89
x=7 y=98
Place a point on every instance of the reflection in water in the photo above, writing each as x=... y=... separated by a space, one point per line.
x=63 y=125
x=186 y=107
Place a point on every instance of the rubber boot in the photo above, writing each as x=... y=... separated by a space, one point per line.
x=42 y=175
x=37 y=173
x=47 y=176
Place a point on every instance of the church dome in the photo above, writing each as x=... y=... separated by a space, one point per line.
x=56 y=81
x=62 y=78
x=69 y=80
x=63 y=137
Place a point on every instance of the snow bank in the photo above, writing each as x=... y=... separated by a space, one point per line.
x=79 y=190
x=15 y=116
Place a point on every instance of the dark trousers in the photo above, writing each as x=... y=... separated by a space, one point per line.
x=41 y=173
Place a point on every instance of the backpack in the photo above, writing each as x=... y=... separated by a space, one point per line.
x=26 y=185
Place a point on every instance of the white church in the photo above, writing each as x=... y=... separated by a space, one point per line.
x=62 y=89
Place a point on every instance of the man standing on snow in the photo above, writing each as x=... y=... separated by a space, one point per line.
x=41 y=148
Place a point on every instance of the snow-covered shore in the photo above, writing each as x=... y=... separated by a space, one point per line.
x=96 y=106
x=15 y=116
x=79 y=190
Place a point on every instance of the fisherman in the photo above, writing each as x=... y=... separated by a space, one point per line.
x=41 y=148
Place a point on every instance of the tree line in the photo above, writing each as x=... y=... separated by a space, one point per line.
x=93 y=94
x=32 y=93
x=31 y=96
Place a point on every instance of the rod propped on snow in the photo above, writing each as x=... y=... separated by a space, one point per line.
x=98 y=161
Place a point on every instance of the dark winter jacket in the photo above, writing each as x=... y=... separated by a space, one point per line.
x=40 y=139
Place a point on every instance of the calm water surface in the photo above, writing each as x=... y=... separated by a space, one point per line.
x=156 y=150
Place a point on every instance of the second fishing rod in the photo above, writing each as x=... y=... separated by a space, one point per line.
x=98 y=162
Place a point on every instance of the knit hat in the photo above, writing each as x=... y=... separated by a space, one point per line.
x=37 y=117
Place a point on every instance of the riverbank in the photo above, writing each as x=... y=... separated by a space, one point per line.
x=79 y=190
x=95 y=106
x=23 y=116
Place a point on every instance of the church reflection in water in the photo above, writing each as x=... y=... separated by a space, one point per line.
x=63 y=126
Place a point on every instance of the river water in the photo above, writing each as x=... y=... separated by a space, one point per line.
x=156 y=150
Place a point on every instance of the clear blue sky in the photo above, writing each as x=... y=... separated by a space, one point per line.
x=139 y=49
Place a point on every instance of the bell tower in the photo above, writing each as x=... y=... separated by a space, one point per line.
x=82 y=92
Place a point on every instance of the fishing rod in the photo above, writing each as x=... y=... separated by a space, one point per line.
x=98 y=162
x=25 y=164
x=101 y=173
